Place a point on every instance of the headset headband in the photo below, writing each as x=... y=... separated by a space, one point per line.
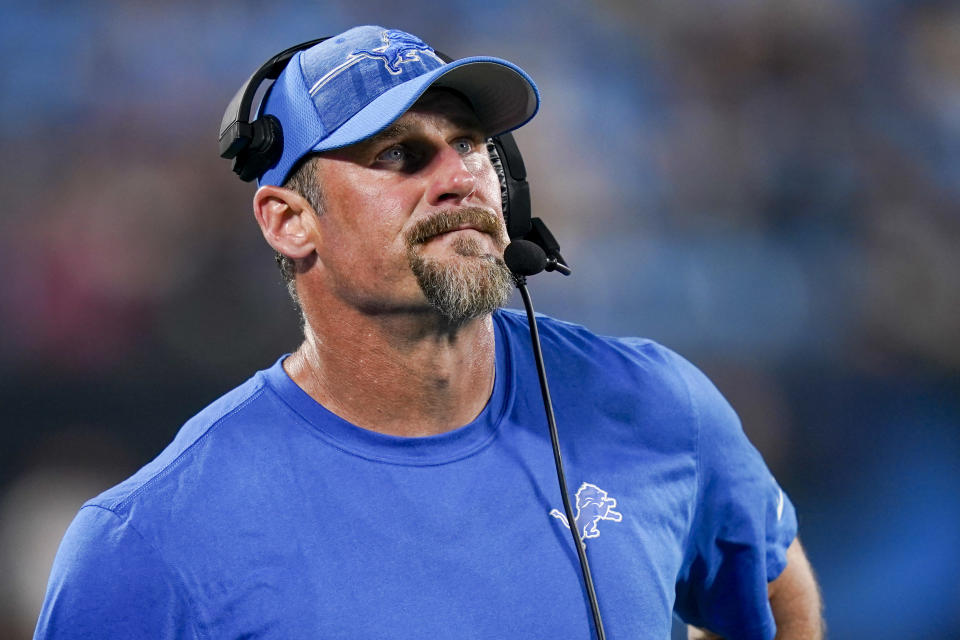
x=236 y=127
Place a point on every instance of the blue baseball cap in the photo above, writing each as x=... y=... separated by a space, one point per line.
x=354 y=85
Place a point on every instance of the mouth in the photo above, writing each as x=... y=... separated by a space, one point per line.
x=448 y=232
x=452 y=223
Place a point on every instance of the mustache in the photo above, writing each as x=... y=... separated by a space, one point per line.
x=443 y=222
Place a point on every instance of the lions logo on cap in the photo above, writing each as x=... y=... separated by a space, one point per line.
x=398 y=48
x=593 y=505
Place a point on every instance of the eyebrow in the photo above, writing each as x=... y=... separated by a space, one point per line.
x=395 y=130
x=468 y=123
x=402 y=129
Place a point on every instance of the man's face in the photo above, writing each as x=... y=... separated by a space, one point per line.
x=412 y=217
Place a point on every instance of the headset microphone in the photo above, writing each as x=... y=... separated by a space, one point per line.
x=534 y=249
x=525 y=258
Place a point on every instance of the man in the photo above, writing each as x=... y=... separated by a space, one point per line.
x=393 y=477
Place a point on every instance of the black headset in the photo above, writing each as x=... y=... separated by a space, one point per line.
x=256 y=143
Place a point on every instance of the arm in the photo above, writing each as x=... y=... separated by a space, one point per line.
x=744 y=575
x=794 y=600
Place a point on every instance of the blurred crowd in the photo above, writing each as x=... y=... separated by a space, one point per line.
x=771 y=188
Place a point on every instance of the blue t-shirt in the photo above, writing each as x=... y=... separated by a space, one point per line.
x=270 y=517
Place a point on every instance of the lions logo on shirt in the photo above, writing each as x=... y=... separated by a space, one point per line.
x=593 y=505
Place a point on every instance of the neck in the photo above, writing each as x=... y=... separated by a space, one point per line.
x=402 y=374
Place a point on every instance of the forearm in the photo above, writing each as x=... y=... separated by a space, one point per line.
x=795 y=599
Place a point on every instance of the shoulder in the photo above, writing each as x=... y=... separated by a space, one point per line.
x=632 y=360
x=577 y=338
x=192 y=443
x=164 y=504
x=162 y=522
x=97 y=586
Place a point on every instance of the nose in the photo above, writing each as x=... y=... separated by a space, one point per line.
x=450 y=179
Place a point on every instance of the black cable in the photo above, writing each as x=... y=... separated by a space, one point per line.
x=561 y=478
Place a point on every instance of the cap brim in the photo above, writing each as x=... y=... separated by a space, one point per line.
x=503 y=96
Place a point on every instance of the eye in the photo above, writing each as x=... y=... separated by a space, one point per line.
x=463 y=146
x=393 y=155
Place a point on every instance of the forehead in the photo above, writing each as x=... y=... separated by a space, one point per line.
x=448 y=103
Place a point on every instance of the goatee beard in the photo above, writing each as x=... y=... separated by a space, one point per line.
x=471 y=286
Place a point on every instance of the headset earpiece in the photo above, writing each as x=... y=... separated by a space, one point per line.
x=513 y=181
x=501 y=177
x=263 y=151
x=255 y=144
x=516 y=210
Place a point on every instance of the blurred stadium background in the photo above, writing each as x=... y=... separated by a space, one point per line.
x=769 y=187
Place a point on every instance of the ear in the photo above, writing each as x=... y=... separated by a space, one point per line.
x=286 y=219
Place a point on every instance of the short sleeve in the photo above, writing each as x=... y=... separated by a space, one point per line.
x=108 y=582
x=742 y=526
